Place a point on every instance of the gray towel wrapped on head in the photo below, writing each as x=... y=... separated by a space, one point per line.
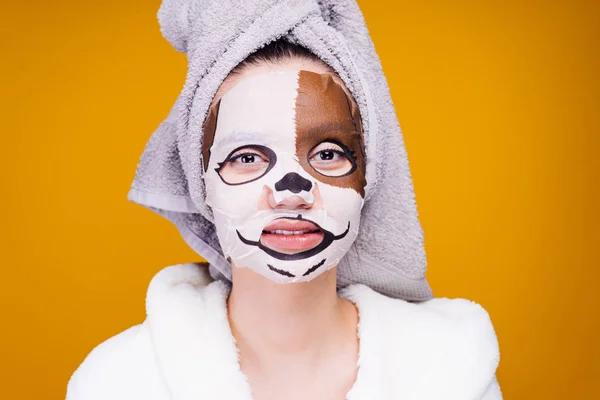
x=388 y=254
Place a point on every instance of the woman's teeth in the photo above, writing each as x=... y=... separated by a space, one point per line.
x=282 y=232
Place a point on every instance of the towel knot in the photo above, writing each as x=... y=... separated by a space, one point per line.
x=176 y=18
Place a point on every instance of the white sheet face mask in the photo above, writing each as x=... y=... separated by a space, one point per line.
x=285 y=174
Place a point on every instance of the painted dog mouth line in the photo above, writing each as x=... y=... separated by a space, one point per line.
x=328 y=238
x=290 y=275
x=313 y=268
x=280 y=271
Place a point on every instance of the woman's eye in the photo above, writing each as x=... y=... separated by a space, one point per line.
x=246 y=164
x=332 y=159
x=247 y=158
x=327 y=155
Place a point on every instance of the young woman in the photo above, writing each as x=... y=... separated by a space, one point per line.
x=282 y=164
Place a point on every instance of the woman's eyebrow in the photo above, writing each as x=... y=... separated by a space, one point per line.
x=241 y=136
x=325 y=128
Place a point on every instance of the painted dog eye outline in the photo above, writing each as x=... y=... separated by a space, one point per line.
x=270 y=154
x=345 y=152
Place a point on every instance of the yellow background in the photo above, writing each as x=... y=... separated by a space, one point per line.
x=499 y=102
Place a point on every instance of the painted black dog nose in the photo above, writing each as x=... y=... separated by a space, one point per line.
x=294 y=183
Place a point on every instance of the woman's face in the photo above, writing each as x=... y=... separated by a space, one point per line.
x=285 y=171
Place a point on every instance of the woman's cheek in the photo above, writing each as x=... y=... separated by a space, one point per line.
x=340 y=203
x=235 y=201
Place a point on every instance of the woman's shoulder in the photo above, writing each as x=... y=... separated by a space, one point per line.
x=457 y=313
x=127 y=361
x=449 y=345
x=437 y=320
x=113 y=367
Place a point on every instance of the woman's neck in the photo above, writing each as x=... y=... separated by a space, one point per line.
x=275 y=321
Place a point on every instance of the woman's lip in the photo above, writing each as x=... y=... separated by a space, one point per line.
x=292 y=243
x=287 y=235
x=290 y=225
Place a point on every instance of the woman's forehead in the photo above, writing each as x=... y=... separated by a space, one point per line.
x=294 y=64
x=286 y=102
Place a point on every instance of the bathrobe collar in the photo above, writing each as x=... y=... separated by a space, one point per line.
x=437 y=349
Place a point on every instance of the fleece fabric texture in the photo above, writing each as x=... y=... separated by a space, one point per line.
x=388 y=255
x=437 y=349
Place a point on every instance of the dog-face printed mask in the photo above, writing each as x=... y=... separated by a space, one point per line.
x=285 y=173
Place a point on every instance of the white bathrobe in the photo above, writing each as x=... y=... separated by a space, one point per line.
x=440 y=349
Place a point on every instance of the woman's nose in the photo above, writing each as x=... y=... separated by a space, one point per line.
x=294 y=183
x=292 y=202
x=302 y=201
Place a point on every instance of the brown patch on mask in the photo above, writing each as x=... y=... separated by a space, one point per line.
x=324 y=111
x=208 y=132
